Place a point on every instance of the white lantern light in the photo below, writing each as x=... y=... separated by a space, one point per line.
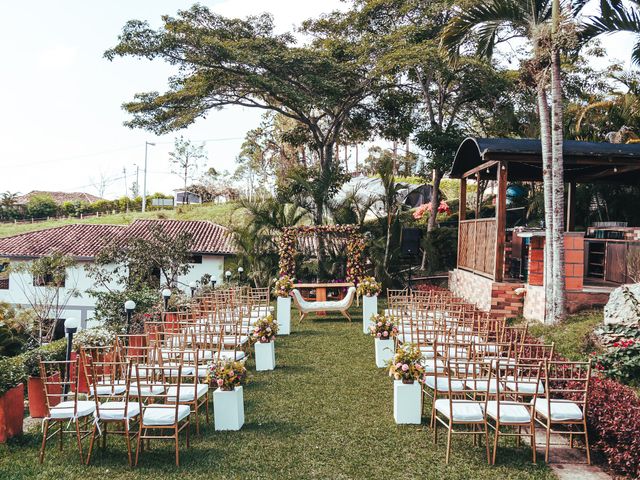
x=166 y=293
x=193 y=285
x=71 y=324
x=129 y=305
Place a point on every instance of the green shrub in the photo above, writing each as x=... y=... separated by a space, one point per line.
x=12 y=373
x=54 y=351
x=40 y=206
x=441 y=246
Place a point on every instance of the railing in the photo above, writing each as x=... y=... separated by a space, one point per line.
x=477 y=246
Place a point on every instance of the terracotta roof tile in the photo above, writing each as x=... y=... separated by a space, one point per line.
x=86 y=240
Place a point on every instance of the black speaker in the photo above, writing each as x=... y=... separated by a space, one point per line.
x=410 y=241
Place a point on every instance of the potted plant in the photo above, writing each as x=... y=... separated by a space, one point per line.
x=228 y=377
x=369 y=290
x=35 y=387
x=90 y=338
x=12 y=375
x=282 y=290
x=407 y=370
x=264 y=335
x=384 y=332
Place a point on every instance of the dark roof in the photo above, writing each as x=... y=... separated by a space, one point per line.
x=59 y=197
x=208 y=237
x=584 y=161
x=86 y=240
x=80 y=241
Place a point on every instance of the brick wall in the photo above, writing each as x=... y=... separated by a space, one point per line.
x=498 y=298
x=573 y=259
x=536 y=261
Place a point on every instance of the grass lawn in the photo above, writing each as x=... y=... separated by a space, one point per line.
x=571 y=336
x=219 y=213
x=325 y=412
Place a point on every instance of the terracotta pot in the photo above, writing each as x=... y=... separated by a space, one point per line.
x=11 y=413
x=83 y=386
x=37 y=400
x=171 y=322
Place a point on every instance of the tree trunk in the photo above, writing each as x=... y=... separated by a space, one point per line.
x=435 y=203
x=545 y=139
x=559 y=299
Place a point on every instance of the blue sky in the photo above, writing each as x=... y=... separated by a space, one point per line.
x=61 y=123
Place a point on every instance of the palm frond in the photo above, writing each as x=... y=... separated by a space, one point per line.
x=615 y=17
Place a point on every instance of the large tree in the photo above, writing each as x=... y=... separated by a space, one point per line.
x=322 y=84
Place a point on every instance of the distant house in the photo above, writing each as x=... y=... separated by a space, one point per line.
x=211 y=244
x=184 y=197
x=58 y=197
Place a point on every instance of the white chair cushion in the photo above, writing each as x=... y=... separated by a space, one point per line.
x=64 y=410
x=163 y=415
x=561 y=410
x=108 y=390
x=443 y=384
x=482 y=385
x=463 y=411
x=115 y=410
x=433 y=365
x=187 y=392
x=146 y=390
x=509 y=413
x=229 y=355
x=427 y=351
x=524 y=386
x=187 y=370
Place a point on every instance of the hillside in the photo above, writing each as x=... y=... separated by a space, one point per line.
x=218 y=213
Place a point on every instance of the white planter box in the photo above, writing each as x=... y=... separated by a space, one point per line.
x=265 y=356
x=228 y=409
x=283 y=315
x=384 y=351
x=369 y=309
x=407 y=402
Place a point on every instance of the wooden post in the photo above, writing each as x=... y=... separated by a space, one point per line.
x=478 y=199
x=571 y=207
x=501 y=221
x=462 y=211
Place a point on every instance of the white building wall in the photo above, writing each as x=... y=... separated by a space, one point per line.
x=211 y=264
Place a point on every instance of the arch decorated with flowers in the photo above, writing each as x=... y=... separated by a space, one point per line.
x=355 y=247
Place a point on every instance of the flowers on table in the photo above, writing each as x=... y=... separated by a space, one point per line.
x=227 y=374
x=383 y=327
x=265 y=329
x=369 y=287
x=406 y=364
x=283 y=286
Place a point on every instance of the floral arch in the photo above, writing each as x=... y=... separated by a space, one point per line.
x=355 y=244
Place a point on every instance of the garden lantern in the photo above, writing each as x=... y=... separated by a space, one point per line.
x=213 y=283
x=228 y=275
x=193 y=286
x=166 y=294
x=129 y=307
x=70 y=327
x=240 y=271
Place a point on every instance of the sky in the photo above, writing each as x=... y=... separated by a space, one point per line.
x=61 y=126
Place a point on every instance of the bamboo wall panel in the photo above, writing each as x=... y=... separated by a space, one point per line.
x=477 y=246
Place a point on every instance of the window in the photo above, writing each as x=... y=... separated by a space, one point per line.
x=196 y=259
x=4 y=274
x=48 y=280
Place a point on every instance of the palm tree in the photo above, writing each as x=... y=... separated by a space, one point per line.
x=539 y=21
x=616 y=17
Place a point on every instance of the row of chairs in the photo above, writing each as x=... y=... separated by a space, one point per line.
x=154 y=385
x=484 y=377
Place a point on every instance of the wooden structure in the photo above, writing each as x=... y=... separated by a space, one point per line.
x=482 y=241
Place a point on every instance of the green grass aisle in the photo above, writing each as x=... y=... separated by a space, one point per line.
x=325 y=412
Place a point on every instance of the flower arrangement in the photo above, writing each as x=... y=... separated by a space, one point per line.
x=283 y=286
x=622 y=362
x=265 y=329
x=227 y=374
x=369 y=287
x=406 y=365
x=383 y=327
x=93 y=337
x=355 y=247
x=426 y=207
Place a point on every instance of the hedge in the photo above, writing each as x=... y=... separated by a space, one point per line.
x=16 y=370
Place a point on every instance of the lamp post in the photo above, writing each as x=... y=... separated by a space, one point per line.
x=166 y=294
x=193 y=286
x=228 y=275
x=70 y=327
x=240 y=271
x=213 y=284
x=144 y=181
x=129 y=307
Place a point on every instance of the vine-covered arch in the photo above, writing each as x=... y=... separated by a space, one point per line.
x=355 y=247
